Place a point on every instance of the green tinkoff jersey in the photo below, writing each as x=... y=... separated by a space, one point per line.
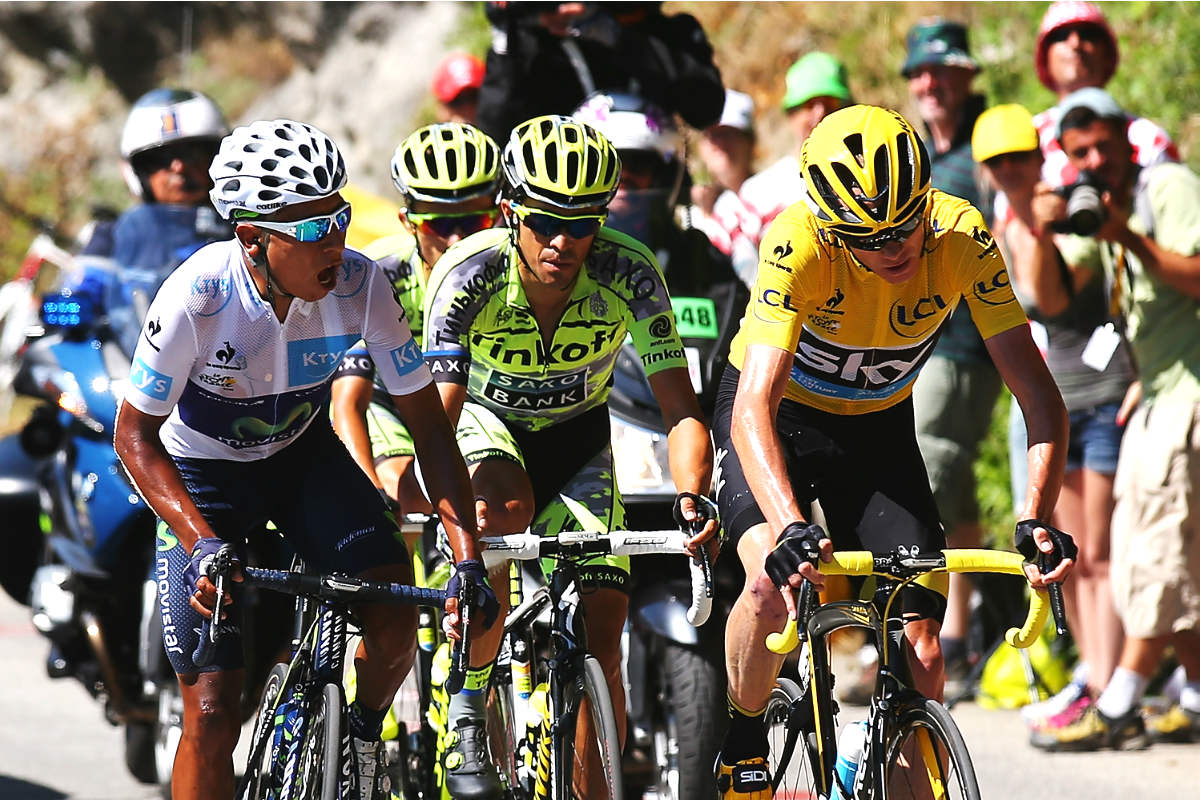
x=481 y=332
x=397 y=256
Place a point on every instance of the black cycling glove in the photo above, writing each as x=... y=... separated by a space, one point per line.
x=1064 y=545
x=485 y=599
x=799 y=543
x=705 y=510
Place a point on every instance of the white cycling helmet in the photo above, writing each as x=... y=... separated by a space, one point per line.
x=631 y=123
x=269 y=164
x=163 y=117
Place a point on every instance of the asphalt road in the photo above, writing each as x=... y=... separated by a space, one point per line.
x=55 y=744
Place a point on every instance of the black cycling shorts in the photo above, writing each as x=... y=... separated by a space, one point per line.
x=865 y=469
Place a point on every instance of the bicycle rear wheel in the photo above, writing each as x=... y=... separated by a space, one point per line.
x=791 y=756
x=605 y=744
x=324 y=753
x=926 y=756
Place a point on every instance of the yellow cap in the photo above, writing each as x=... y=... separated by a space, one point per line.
x=1003 y=129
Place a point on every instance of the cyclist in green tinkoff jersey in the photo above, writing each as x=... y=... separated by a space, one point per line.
x=448 y=175
x=527 y=321
x=854 y=285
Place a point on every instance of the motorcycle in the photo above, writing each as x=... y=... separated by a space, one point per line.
x=675 y=674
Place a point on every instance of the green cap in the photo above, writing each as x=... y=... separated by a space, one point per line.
x=815 y=75
x=938 y=42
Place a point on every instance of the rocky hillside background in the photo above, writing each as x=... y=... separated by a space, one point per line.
x=69 y=70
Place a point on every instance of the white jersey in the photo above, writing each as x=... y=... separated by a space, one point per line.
x=237 y=385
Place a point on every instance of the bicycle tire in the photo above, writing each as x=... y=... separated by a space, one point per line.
x=256 y=783
x=791 y=756
x=604 y=725
x=504 y=733
x=951 y=761
x=323 y=762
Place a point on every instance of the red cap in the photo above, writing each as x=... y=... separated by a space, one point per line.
x=1071 y=12
x=458 y=71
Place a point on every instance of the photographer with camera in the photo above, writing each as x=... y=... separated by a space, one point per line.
x=1147 y=247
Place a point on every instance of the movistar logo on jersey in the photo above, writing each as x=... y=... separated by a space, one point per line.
x=149 y=381
x=407 y=357
x=166 y=539
x=314 y=360
x=530 y=394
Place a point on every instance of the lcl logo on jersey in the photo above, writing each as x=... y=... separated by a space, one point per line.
x=996 y=291
x=916 y=319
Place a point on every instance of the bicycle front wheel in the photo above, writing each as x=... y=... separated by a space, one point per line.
x=791 y=755
x=926 y=756
x=602 y=753
x=256 y=783
x=323 y=758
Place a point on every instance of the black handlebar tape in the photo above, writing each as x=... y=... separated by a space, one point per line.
x=460 y=650
x=1058 y=608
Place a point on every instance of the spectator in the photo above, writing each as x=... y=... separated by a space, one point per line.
x=456 y=83
x=1146 y=249
x=1075 y=49
x=954 y=396
x=546 y=58
x=1093 y=384
x=727 y=153
x=816 y=87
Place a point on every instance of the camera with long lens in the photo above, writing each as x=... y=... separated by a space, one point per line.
x=1085 y=208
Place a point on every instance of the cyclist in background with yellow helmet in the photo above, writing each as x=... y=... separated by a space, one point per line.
x=448 y=176
x=527 y=321
x=854 y=285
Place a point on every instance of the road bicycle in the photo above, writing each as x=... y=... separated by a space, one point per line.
x=301 y=746
x=912 y=746
x=540 y=683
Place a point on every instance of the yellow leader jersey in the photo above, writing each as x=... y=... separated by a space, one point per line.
x=858 y=340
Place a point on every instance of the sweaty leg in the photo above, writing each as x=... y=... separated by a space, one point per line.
x=925 y=657
x=211 y=724
x=386 y=652
x=759 y=610
x=605 y=611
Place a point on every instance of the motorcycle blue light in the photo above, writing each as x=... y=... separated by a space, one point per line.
x=67 y=310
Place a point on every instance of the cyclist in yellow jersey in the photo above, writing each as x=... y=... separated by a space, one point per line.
x=528 y=322
x=854 y=285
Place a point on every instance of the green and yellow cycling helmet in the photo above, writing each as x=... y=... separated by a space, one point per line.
x=446 y=163
x=865 y=171
x=561 y=162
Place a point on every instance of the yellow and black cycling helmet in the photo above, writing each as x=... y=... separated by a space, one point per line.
x=865 y=170
x=562 y=162
x=446 y=163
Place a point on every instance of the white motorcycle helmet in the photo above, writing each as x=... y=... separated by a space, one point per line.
x=163 y=117
x=634 y=126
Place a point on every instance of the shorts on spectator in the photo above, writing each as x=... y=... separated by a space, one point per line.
x=953 y=402
x=1095 y=439
x=1155 y=566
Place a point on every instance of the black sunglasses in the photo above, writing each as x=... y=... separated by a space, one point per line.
x=878 y=241
x=187 y=152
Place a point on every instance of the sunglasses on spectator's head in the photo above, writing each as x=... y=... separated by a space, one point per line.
x=310 y=229
x=199 y=153
x=1087 y=33
x=547 y=223
x=878 y=241
x=446 y=225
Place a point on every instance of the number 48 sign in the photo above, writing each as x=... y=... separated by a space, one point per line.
x=695 y=317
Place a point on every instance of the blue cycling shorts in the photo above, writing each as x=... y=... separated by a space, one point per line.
x=323 y=504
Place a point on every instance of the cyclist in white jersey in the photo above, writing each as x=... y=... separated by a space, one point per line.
x=224 y=427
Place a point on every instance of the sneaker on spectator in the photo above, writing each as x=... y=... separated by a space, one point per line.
x=1068 y=716
x=1094 y=731
x=1178 y=724
x=1035 y=713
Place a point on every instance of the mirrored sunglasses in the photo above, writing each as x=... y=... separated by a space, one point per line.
x=878 y=241
x=199 y=153
x=545 y=223
x=311 y=229
x=446 y=225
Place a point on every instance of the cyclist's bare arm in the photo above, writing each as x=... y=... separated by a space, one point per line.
x=158 y=481
x=760 y=389
x=689 y=447
x=454 y=396
x=442 y=466
x=349 y=398
x=1023 y=370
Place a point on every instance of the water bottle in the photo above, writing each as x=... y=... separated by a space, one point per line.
x=849 y=754
x=519 y=665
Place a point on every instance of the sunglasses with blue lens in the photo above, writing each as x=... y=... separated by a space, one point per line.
x=311 y=229
x=878 y=241
x=546 y=223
